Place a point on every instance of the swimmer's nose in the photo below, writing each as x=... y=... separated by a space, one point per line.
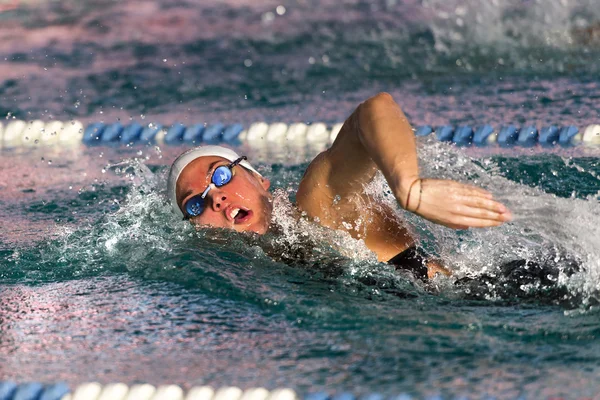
x=219 y=201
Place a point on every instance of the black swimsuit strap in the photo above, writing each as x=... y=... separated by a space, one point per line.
x=412 y=259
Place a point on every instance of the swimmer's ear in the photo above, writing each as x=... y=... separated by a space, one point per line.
x=264 y=182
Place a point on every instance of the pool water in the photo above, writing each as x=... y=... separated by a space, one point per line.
x=99 y=282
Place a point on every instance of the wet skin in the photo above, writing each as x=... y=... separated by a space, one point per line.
x=249 y=192
x=376 y=137
x=246 y=191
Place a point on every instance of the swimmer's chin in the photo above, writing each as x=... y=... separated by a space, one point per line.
x=261 y=230
x=260 y=227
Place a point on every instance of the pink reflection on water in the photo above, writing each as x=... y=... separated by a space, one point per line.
x=116 y=330
x=40 y=175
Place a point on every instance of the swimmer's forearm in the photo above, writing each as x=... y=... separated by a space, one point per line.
x=387 y=137
x=378 y=136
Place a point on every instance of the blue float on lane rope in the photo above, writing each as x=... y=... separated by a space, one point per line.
x=548 y=136
x=212 y=133
x=93 y=133
x=7 y=390
x=112 y=133
x=54 y=392
x=566 y=135
x=508 y=135
x=423 y=130
x=463 y=136
x=317 y=396
x=28 y=391
x=444 y=133
x=193 y=134
x=344 y=396
x=528 y=136
x=373 y=396
x=175 y=134
x=232 y=132
x=131 y=133
x=481 y=135
x=149 y=134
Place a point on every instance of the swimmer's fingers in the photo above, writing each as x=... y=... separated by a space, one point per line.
x=459 y=206
x=456 y=188
x=481 y=214
x=460 y=222
x=471 y=222
x=459 y=187
x=464 y=217
x=471 y=190
x=485 y=204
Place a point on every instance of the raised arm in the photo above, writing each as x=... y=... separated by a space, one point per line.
x=378 y=136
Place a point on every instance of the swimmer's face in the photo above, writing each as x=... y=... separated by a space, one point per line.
x=246 y=192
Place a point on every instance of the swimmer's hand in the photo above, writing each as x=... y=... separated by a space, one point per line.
x=454 y=204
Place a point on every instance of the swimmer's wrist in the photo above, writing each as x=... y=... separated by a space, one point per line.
x=407 y=187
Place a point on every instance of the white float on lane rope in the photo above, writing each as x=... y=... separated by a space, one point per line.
x=591 y=135
x=114 y=391
x=200 y=393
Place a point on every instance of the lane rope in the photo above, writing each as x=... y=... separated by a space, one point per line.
x=120 y=391
x=18 y=133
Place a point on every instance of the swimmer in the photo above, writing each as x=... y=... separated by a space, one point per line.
x=213 y=186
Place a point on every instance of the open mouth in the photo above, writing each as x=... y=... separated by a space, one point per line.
x=239 y=215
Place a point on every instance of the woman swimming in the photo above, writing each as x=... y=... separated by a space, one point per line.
x=212 y=185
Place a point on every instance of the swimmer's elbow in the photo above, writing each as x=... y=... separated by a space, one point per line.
x=383 y=97
x=378 y=106
x=378 y=102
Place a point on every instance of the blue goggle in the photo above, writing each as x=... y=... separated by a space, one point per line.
x=220 y=177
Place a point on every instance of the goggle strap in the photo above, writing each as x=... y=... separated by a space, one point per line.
x=236 y=162
x=210 y=186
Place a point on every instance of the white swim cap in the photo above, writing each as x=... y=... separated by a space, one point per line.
x=183 y=160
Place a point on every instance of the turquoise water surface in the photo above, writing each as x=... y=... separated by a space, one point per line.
x=99 y=282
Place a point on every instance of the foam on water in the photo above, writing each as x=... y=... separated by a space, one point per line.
x=140 y=276
x=143 y=239
x=514 y=25
x=546 y=228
